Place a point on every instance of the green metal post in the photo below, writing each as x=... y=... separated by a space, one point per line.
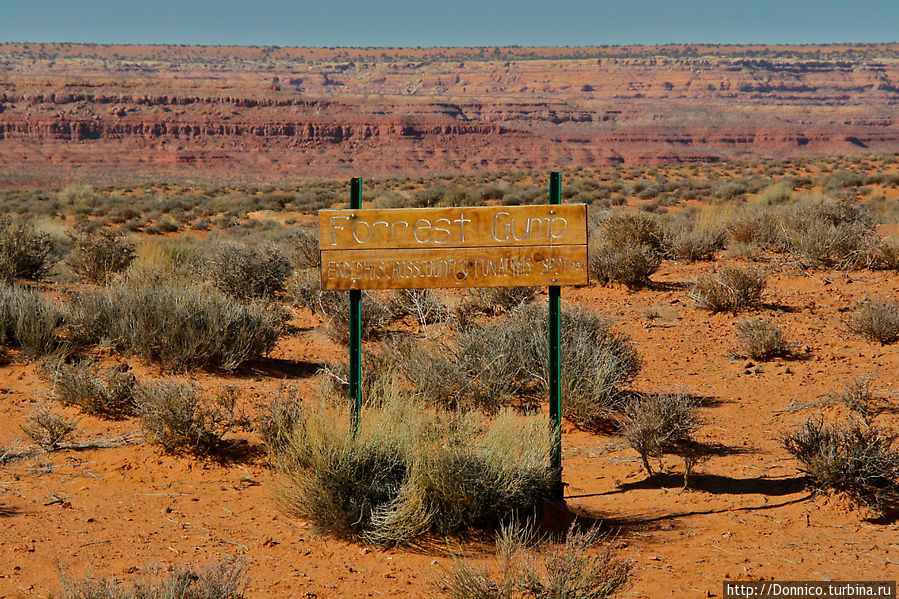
x=555 y=362
x=355 y=326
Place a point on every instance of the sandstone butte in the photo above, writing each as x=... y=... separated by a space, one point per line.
x=273 y=113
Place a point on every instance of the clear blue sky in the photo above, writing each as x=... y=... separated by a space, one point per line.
x=449 y=22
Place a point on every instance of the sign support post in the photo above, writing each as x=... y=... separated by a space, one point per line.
x=555 y=363
x=356 y=326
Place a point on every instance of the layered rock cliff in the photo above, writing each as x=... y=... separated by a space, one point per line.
x=313 y=112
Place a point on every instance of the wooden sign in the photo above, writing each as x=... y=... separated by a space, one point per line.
x=490 y=246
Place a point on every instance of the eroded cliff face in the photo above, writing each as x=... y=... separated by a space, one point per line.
x=314 y=112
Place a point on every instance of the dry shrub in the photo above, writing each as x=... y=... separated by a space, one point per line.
x=336 y=306
x=852 y=458
x=639 y=228
x=762 y=339
x=729 y=289
x=98 y=255
x=654 y=425
x=497 y=300
x=221 y=579
x=830 y=234
x=249 y=272
x=424 y=305
x=304 y=290
x=28 y=321
x=488 y=364
x=776 y=194
x=180 y=417
x=693 y=245
x=410 y=470
x=887 y=255
x=877 y=320
x=24 y=252
x=180 y=327
x=628 y=248
x=526 y=568
x=306 y=247
x=47 y=429
x=107 y=393
x=858 y=395
x=629 y=264
x=815 y=230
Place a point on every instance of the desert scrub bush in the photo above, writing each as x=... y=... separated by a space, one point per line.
x=24 y=252
x=487 y=364
x=104 y=392
x=654 y=425
x=859 y=396
x=249 y=272
x=179 y=327
x=692 y=245
x=335 y=305
x=492 y=301
x=762 y=338
x=729 y=289
x=159 y=261
x=411 y=470
x=628 y=248
x=631 y=265
x=29 y=321
x=48 y=429
x=527 y=567
x=855 y=459
x=306 y=247
x=776 y=193
x=220 y=579
x=178 y=416
x=97 y=255
x=424 y=305
x=830 y=234
x=877 y=320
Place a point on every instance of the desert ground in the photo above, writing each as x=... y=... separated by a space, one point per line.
x=172 y=153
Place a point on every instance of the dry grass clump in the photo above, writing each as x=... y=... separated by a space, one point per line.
x=877 y=320
x=336 y=306
x=493 y=301
x=815 y=230
x=487 y=364
x=304 y=290
x=24 y=252
x=629 y=248
x=28 y=321
x=629 y=264
x=48 y=429
x=410 y=470
x=221 y=579
x=98 y=255
x=107 y=393
x=853 y=458
x=178 y=416
x=180 y=327
x=729 y=289
x=654 y=425
x=306 y=247
x=762 y=339
x=526 y=568
x=692 y=245
x=249 y=272
x=858 y=395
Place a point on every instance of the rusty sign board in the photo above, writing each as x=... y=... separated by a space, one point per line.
x=490 y=246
